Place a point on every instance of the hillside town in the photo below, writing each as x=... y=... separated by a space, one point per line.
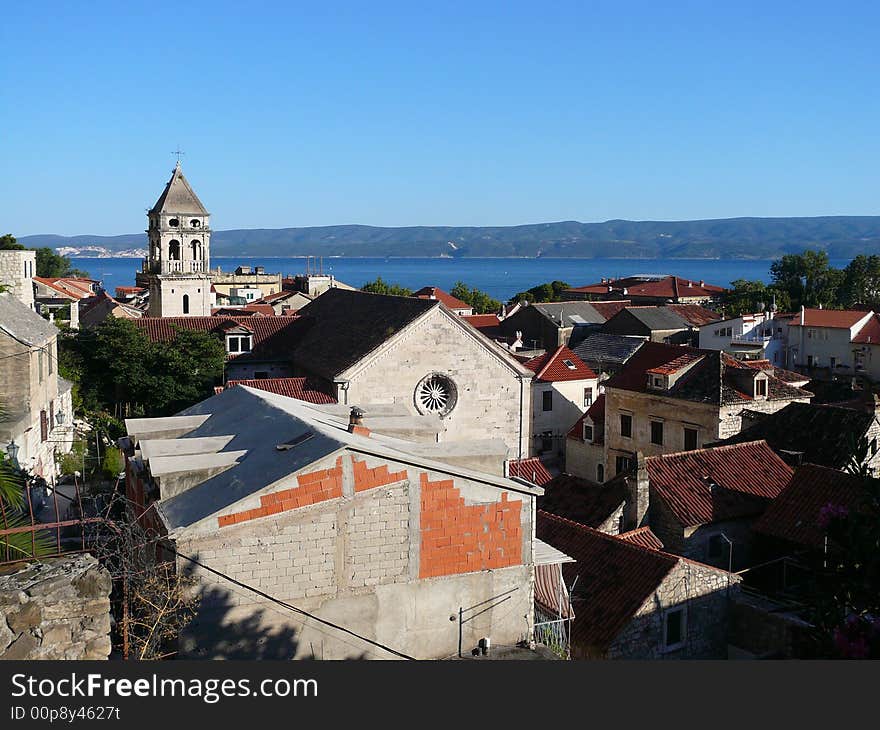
x=630 y=468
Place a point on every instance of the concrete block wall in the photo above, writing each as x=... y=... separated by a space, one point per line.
x=56 y=609
x=377 y=545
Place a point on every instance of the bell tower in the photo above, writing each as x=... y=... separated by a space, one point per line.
x=177 y=267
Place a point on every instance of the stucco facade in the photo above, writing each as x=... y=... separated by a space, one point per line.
x=554 y=414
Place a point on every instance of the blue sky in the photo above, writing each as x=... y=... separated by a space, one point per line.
x=451 y=113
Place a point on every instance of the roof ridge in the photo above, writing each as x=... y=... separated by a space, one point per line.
x=723 y=447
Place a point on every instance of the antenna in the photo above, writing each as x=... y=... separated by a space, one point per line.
x=178 y=152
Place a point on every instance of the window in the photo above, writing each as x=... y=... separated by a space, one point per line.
x=261 y=375
x=657 y=433
x=626 y=425
x=186 y=303
x=546 y=442
x=690 y=439
x=436 y=394
x=760 y=388
x=547 y=400
x=623 y=464
x=600 y=473
x=674 y=629
x=658 y=381
x=833 y=362
x=588 y=433
x=588 y=397
x=174 y=250
x=238 y=343
x=174 y=223
x=569 y=364
x=44 y=426
x=195 y=223
x=810 y=362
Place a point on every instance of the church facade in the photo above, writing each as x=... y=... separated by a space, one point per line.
x=177 y=268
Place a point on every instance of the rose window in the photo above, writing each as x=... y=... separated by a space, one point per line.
x=435 y=394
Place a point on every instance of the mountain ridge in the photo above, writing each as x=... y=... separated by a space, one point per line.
x=712 y=238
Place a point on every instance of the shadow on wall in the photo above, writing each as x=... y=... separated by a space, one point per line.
x=222 y=629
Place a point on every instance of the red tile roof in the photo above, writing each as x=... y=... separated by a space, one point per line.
x=614 y=577
x=711 y=485
x=583 y=501
x=300 y=388
x=532 y=470
x=482 y=320
x=834 y=318
x=642 y=536
x=123 y=290
x=551 y=367
x=794 y=516
x=71 y=287
x=610 y=308
x=667 y=287
x=250 y=310
x=694 y=314
x=679 y=363
x=433 y=292
x=869 y=334
x=274 y=337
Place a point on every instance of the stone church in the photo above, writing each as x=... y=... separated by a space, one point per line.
x=176 y=271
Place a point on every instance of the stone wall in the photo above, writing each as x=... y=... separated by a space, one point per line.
x=582 y=459
x=17 y=268
x=703 y=594
x=731 y=422
x=490 y=400
x=56 y=609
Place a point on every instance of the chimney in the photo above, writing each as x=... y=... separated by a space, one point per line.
x=636 y=509
x=356 y=422
x=702 y=283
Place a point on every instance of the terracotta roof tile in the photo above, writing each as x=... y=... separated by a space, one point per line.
x=694 y=314
x=531 y=469
x=583 y=501
x=614 y=577
x=642 y=536
x=834 y=318
x=711 y=485
x=869 y=334
x=794 y=516
x=433 y=292
x=300 y=388
x=552 y=367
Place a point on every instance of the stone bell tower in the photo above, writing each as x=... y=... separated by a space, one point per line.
x=177 y=269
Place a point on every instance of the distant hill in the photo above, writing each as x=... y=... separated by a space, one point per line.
x=761 y=238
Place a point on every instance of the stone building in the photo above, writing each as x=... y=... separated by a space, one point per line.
x=463 y=309
x=563 y=387
x=669 y=398
x=547 y=325
x=176 y=270
x=386 y=537
x=585 y=444
x=632 y=601
x=808 y=433
x=17 y=270
x=702 y=504
x=38 y=408
x=657 y=324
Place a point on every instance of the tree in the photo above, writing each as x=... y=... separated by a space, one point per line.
x=481 y=302
x=748 y=297
x=861 y=282
x=807 y=278
x=51 y=264
x=379 y=286
x=550 y=292
x=120 y=372
x=8 y=243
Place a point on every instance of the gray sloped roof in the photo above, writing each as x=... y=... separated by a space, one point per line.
x=23 y=324
x=178 y=197
x=257 y=421
x=658 y=318
x=608 y=348
x=583 y=312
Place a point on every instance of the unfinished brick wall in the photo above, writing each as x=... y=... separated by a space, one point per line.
x=460 y=538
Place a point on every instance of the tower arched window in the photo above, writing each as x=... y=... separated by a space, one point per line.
x=174 y=222
x=196 y=247
x=186 y=303
x=174 y=250
x=195 y=223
